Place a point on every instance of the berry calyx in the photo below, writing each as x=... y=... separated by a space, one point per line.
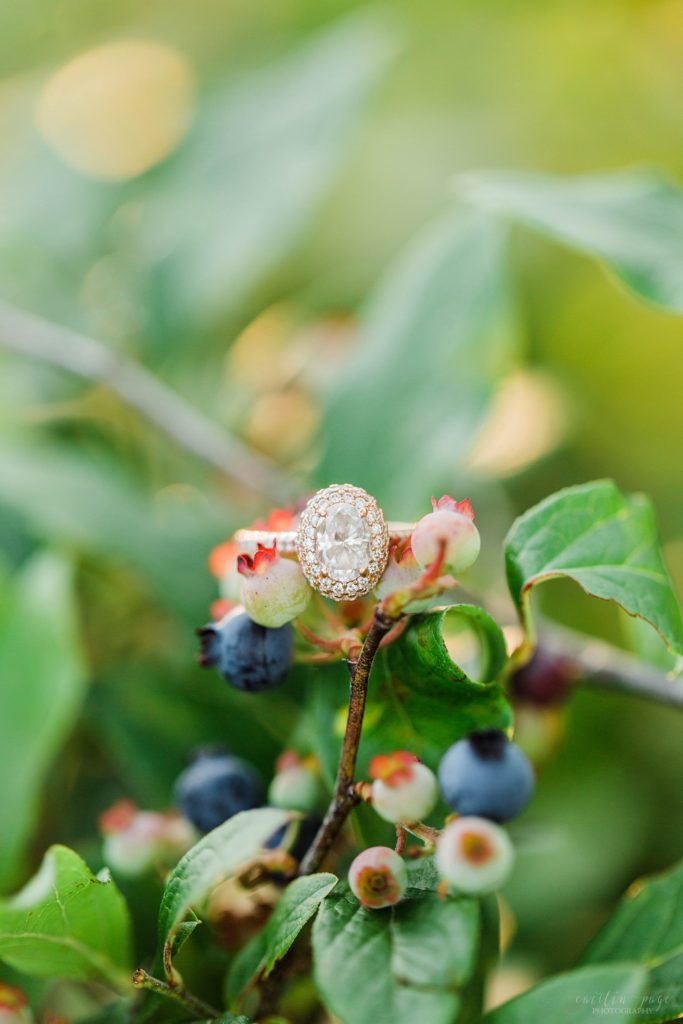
x=135 y=841
x=403 y=789
x=378 y=877
x=295 y=785
x=248 y=656
x=451 y=524
x=216 y=786
x=486 y=775
x=474 y=855
x=273 y=589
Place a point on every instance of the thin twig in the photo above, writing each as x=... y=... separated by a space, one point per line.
x=141 y=979
x=605 y=667
x=33 y=336
x=345 y=796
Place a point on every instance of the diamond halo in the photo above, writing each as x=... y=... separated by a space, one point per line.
x=342 y=542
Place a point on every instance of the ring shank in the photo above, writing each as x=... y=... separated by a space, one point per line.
x=248 y=540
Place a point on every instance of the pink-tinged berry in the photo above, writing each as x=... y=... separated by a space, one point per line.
x=274 y=589
x=451 y=523
x=401 y=572
x=14 y=1008
x=403 y=789
x=378 y=877
x=474 y=855
x=295 y=785
x=136 y=841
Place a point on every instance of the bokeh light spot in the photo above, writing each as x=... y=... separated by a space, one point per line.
x=117 y=110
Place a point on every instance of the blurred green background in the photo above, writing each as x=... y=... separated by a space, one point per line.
x=215 y=192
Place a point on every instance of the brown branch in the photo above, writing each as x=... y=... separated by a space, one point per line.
x=345 y=795
x=89 y=359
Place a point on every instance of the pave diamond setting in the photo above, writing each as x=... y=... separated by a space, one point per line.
x=343 y=542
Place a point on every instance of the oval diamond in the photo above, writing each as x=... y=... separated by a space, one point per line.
x=343 y=542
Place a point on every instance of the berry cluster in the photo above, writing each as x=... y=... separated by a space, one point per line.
x=485 y=779
x=251 y=642
x=216 y=785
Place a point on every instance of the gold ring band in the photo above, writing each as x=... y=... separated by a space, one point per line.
x=286 y=540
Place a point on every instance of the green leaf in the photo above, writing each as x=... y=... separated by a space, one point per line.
x=116 y=518
x=631 y=220
x=298 y=904
x=244 y=967
x=435 y=338
x=68 y=923
x=489 y=634
x=407 y=963
x=605 y=541
x=259 y=160
x=43 y=684
x=647 y=927
x=424 y=701
x=219 y=855
x=577 y=997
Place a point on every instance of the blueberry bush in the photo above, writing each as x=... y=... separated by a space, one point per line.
x=451 y=798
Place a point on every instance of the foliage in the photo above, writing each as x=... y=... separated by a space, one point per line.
x=39 y=643
x=245 y=271
x=607 y=543
x=68 y=923
x=399 y=964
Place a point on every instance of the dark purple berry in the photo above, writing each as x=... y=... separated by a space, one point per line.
x=214 y=787
x=487 y=776
x=250 y=657
x=545 y=679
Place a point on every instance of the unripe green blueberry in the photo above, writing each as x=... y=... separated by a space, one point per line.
x=273 y=589
x=403 y=789
x=295 y=785
x=450 y=524
x=136 y=841
x=378 y=877
x=474 y=855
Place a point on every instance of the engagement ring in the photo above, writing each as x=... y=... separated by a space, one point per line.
x=342 y=541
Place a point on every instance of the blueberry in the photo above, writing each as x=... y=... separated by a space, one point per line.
x=248 y=656
x=486 y=775
x=545 y=679
x=296 y=836
x=214 y=787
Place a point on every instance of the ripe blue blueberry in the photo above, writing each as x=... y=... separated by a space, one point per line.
x=487 y=776
x=296 y=837
x=214 y=787
x=250 y=657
